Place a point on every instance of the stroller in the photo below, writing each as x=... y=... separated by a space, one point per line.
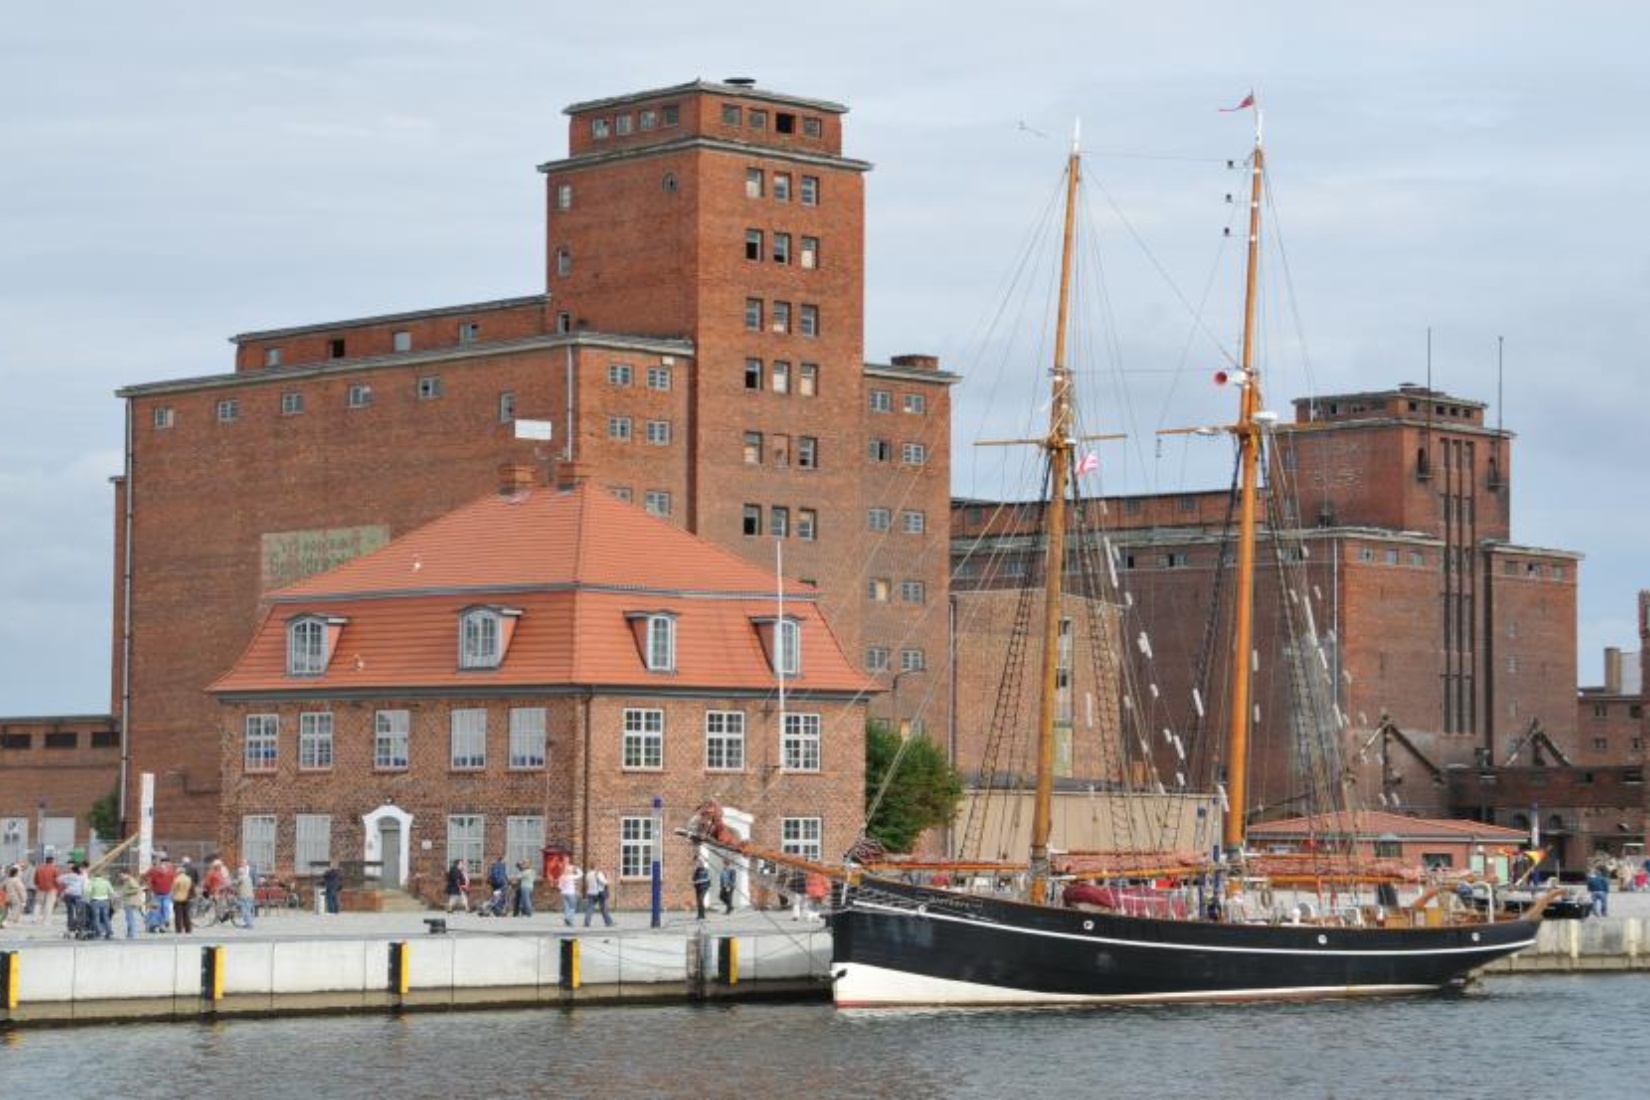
x=77 y=914
x=497 y=905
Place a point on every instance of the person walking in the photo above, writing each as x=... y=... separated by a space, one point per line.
x=526 y=879
x=100 y=897
x=595 y=896
x=160 y=878
x=246 y=892
x=331 y=880
x=568 y=884
x=458 y=887
x=17 y=896
x=71 y=891
x=701 y=885
x=25 y=871
x=183 y=890
x=729 y=882
x=45 y=888
x=132 y=896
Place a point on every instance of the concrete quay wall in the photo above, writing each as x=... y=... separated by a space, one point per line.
x=1595 y=944
x=101 y=982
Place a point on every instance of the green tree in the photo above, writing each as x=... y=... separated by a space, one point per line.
x=104 y=816
x=923 y=792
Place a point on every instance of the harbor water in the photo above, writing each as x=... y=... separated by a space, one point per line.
x=1578 y=1035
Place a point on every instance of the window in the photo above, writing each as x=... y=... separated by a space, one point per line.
x=258 y=840
x=751 y=520
x=623 y=124
x=618 y=374
x=335 y=349
x=401 y=340
x=660 y=653
x=1175 y=560
x=782 y=317
x=600 y=128
x=753 y=314
x=1392 y=557
x=914 y=403
x=670 y=114
x=753 y=182
x=809 y=320
x=730 y=114
x=656 y=502
x=811 y=126
x=465 y=834
x=636 y=845
x=877 y=589
x=658 y=433
x=643 y=745
x=163 y=416
x=914 y=523
x=807 y=452
x=658 y=378
x=810 y=190
x=313 y=850
x=781 y=248
x=306 y=647
x=360 y=395
x=876 y=659
x=61 y=739
x=789 y=635
x=524 y=840
x=879 y=450
x=878 y=519
x=753 y=244
x=468 y=744
x=753 y=374
x=807 y=379
x=272 y=357
x=912 y=660
x=506 y=406
x=807 y=524
x=913 y=454
x=801 y=836
x=799 y=746
x=564 y=196
x=913 y=592
x=429 y=387
x=527 y=737
x=781 y=368
x=780 y=447
x=779 y=521
x=292 y=404
x=781 y=187
x=753 y=448
x=262 y=742
x=648 y=119
x=756 y=120
x=724 y=740
x=390 y=739
x=810 y=253
x=229 y=412
x=564 y=321
x=618 y=429
x=480 y=639
x=564 y=262
x=315 y=741
x=881 y=401
x=620 y=492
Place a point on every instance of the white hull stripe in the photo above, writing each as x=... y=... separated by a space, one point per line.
x=1144 y=945
x=859 y=985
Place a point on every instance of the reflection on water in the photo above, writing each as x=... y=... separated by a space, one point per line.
x=1476 y=1044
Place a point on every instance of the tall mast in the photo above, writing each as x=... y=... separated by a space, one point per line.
x=1248 y=436
x=1058 y=447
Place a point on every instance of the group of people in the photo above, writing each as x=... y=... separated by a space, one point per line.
x=511 y=890
x=149 y=902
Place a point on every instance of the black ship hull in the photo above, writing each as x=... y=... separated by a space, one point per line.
x=895 y=944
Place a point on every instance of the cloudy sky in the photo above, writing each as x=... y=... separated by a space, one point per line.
x=176 y=173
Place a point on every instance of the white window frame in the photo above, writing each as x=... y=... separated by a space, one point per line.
x=401 y=340
x=466 y=839
x=659 y=638
x=807 y=379
x=915 y=404
x=809 y=193
x=429 y=387
x=881 y=401
x=658 y=433
x=306 y=647
x=913 y=591
x=360 y=395
x=258 y=840
x=879 y=520
x=163 y=417
x=656 y=502
x=788 y=648
x=619 y=374
x=229 y=411
x=467 y=739
x=807 y=319
x=877 y=658
x=315 y=741
x=564 y=196
x=807 y=524
x=261 y=743
x=392 y=740
x=311 y=844
x=912 y=660
x=480 y=638
x=292 y=403
x=619 y=429
x=913 y=522
x=724 y=740
x=658 y=378
x=802 y=836
x=799 y=748
x=272 y=357
x=642 y=747
x=913 y=454
x=529 y=735
x=636 y=847
x=524 y=839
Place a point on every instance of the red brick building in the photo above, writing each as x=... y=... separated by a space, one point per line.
x=699 y=351
x=52 y=771
x=532 y=669
x=1431 y=615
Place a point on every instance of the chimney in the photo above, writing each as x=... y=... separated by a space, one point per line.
x=918 y=362
x=570 y=475
x=515 y=479
x=1612 y=670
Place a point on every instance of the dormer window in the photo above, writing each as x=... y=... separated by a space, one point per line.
x=655 y=633
x=782 y=642
x=484 y=636
x=310 y=640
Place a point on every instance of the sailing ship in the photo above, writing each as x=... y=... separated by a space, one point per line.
x=1153 y=926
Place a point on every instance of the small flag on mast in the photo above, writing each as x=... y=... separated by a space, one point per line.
x=1248 y=101
x=1088 y=464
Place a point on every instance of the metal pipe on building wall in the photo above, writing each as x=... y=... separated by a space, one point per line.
x=126 y=625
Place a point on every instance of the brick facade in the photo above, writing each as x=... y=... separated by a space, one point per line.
x=55 y=767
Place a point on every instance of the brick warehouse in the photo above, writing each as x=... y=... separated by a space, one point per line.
x=604 y=658
x=1459 y=636
x=699 y=350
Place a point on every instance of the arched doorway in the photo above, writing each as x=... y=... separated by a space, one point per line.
x=386 y=831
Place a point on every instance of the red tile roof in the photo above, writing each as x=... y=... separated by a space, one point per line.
x=574 y=563
x=1370 y=824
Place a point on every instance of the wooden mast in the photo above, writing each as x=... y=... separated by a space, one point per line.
x=1248 y=436
x=1058 y=447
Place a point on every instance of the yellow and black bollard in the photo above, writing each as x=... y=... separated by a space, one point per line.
x=212 y=974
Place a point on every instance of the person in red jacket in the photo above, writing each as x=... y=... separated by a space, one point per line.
x=160 y=878
x=45 y=885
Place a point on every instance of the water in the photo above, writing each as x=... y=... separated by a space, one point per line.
x=1560 y=1035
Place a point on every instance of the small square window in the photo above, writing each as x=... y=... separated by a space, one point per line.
x=648 y=120
x=272 y=357
x=401 y=340
x=162 y=417
x=913 y=591
x=784 y=123
x=670 y=114
x=429 y=387
x=879 y=450
x=618 y=428
x=913 y=454
x=912 y=660
x=915 y=403
x=658 y=432
x=811 y=126
x=658 y=378
x=657 y=502
x=618 y=374
x=620 y=492
x=228 y=412
x=881 y=401
x=469 y=332
x=914 y=523
x=756 y=120
x=876 y=659
x=877 y=589
x=360 y=395
x=335 y=349
x=879 y=519
x=600 y=127
x=623 y=124
x=292 y=404
x=730 y=114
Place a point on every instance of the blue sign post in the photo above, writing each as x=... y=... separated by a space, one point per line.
x=658 y=857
